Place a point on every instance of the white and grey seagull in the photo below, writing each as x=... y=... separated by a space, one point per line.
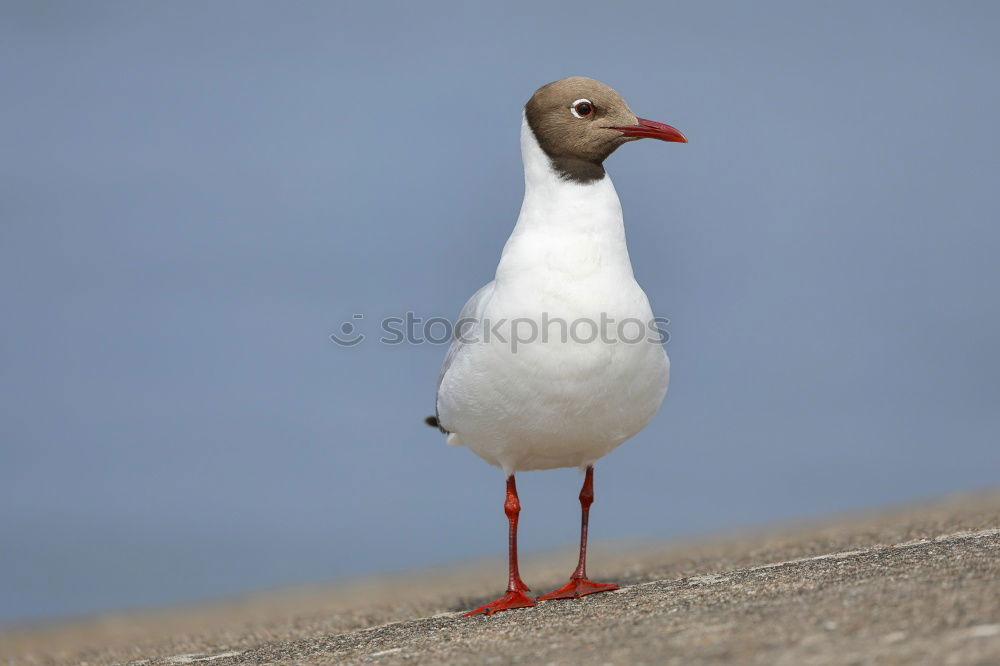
x=546 y=369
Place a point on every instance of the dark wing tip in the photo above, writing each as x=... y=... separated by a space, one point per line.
x=433 y=422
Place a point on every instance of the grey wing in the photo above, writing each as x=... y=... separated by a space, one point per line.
x=471 y=312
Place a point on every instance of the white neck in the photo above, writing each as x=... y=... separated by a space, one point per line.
x=564 y=226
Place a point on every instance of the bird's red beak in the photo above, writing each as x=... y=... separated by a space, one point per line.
x=650 y=129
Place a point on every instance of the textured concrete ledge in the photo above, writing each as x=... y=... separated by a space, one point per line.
x=914 y=585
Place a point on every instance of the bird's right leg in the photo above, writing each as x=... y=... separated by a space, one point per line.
x=515 y=596
x=579 y=585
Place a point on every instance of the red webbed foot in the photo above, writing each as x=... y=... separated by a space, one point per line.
x=576 y=588
x=511 y=599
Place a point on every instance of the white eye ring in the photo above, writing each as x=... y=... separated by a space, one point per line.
x=572 y=107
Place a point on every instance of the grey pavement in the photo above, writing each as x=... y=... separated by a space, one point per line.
x=913 y=585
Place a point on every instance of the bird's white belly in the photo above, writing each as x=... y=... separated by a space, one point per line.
x=563 y=401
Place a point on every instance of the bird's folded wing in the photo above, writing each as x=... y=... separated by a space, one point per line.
x=471 y=314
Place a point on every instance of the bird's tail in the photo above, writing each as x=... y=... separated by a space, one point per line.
x=434 y=422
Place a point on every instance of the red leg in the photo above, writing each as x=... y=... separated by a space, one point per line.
x=515 y=596
x=579 y=585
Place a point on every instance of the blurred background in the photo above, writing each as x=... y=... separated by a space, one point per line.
x=194 y=196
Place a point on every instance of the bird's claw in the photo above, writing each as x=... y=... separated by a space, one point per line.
x=512 y=599
x=576 y=588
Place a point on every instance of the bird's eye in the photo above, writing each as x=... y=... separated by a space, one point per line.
x=582 y=108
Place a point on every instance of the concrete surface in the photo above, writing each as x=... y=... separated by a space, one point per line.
x=915 y=585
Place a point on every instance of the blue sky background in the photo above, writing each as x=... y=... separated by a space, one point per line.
x=195 y=195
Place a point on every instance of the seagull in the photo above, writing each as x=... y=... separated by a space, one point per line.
x=546 y=368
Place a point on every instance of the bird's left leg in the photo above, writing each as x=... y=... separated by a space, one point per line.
x=579 y=585
x=515 y=596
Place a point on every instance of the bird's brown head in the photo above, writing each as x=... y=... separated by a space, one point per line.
x=578 y=122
